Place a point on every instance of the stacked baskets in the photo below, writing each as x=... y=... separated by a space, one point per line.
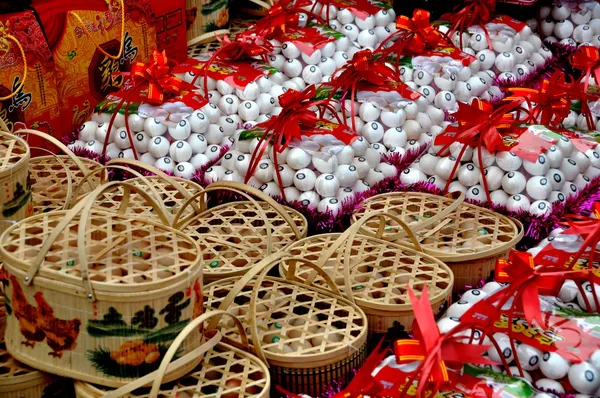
x=468 y=238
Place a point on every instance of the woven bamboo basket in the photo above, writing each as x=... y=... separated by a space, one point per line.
x=208 y=19
x=201 y=49
x=224 y=371
x=469 y=239
x=18 y=380
x=54 y=177
x=170 y=193
x=98 y=296
x=308 y=336
x=375 y=273
x=235 y=236
x=15 y=197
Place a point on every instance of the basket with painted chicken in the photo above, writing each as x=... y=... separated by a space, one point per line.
x=98 y=296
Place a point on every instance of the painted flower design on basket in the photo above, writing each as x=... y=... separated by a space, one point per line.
x=149 y=343
x=38 y=324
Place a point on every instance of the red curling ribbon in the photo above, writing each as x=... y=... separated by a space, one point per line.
x=368 y=67
x=552 y=100
x=244 y=45
x=282 y=16
x=434 y=349
x=414 y=35
x=475 y=12
x=295 y=121
x=154 y=83
x=479 y=126
x=587 y=59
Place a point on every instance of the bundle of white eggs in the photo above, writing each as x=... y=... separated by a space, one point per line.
x=362 y=32
x=398 y=127
x=578 y=120
x=516 y=183
x=569 y=23
x=513 y=55
x=179 y=148
x=584 y=377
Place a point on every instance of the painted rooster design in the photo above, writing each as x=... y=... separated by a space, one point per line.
x=39 y=324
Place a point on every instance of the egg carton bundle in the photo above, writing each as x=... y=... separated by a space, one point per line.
x=517 y=178
x=181 y=145
x=365 y=24
x=542 y=356
x=515 y=53
x=571 y=23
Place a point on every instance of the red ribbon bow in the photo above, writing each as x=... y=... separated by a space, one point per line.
x=433 y=349
x=587 y=59
x=283 y=15
x=476 y=12
x=478 y=126
x=414 y=35
x=552 y=100
x=369 y=67
x=295 y=121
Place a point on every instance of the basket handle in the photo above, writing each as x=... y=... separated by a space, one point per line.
x=347 y=238
x=247 y=192
x=84 y=209
x=167 y=366
x=4 y=43
x=67 y=171
x=89 y=34
x=439 y=216
x=60 y=146
x=261 y=269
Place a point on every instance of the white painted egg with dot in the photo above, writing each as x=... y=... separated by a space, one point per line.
x=505 y=350
x=368 y=112
x=266 y=102
x=393 y=118
x=312 y=74
x=229 y=104
x=556 y=178
x=102 y=132
x=242 y=163
x=362 y=165
x=351 y=31
x=563 y=29
x=382 y=33
x=309 y=198
x=359 y=146
x=478 y=42
x=211 y=111
x=483 y=158
x=264 y=84
x=147 y=158
x=367 y=38
x=345 y=16
x=538 y=168
x=546 y=27
x=566 y=146
x=94 y=146
x=366 y=23
x=228 y=160
x=312 y=59
x=486 y=58
x=264 y=171
x=81 y=144
x=180 y=151
x=422 y=77
x=513 y=182
x=286 y=175
x=583 y=33
x=298 y=159
x=344 y=194
x=291 y=193
x=476 y=192
x=340 y=58
x=330 y=205
x=505 y=62
x=499 y=197
x=374 y=176
x=508 y=161
x=468 y=174
x=445 y=100
x=166 y=164
x=587 y=288
x=276 y=61
x=428 y=163
x=581 y=181
x=456 y=186
x=361 y=186
x=445 y=166
x=347 y=175
x=327 y=66
x=493 y=176
x=593 y=156
x=228 y=124
x=583 y=162
x=213 y=152
x=225 y=88
x=406 y=74
x=232 y=175
x=570 y=169
x=184 y=170
x=518 y=203
x=556 y=196
x=428 y=93
x=474 y=295
x=529 y=357
x=458 y=309
x=215 y=134
x=346 y=155
x=538 y=187
x=87 y=131
x=289 y=50
x=326 y=185
x=412 y=176
x=373 y=132
x=554 y=156
x=158 y=147
x=154 y=127
x=199 y=160
x=248 y=111
x=214 y=97
x=214 y=173
x=584 y=377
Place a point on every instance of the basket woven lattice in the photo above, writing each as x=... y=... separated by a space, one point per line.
x=13 y=150
x=121 y=252
x=292 y=324
x=16 y=379
x=466 y=232
x=224 y=371
x=236 y=235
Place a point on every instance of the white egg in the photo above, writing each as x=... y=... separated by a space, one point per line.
x=87 y=131
x=158 y=147
x=215 y=134
x=359 y=145
x=563 y=29
x=277 y=61
x=486 y=58
x=587 y=287
x=474 y=295
x=540 y=208
x=264 y=84
x=344 y=194
x=351 y=31
x=393 y=118
x=594 y=156
x=346 y=155
x=289 y=50
x=298 y=159
x=228 y=160
x=362 y=166
x=583 y=162
x=213 y=152
x=248 y=111
x=505 y=62
x=264 y=171
x=266 y=102
x=347 y=175
x=184 y=170
x=291 y=194
x=330 y=204
x=309 y=198
x=327 y=66
x=382 y=33
x=225 y=88
x=412 y=176
x=327 y=185
x=367 y=38
x=556 y=178
x=538 y=187
x=94 y=146
x=487 y=159
x=529 y=357
x=180 y=151
x=477 y=193
x=374 y=176
x=584 y=377
x=456 y=186
x=340 y=58
x=499 y=197
x=554 y=157
x=538 y=168
x=312 y=74
x=444 y=167
x=228 y=124
x=546 y=27
x=232 y=175
x=147 y=158
x=311 y=59
x=518 y=203
x=305 y=179
x=406 y=74
x=505 y=351
x=583 y=33
x=556 y=196
x=211 y=111
x=422 y=78
x=508 y=161
x=214 y=97
x=271 y=189
x=199 y=160
x=154 y=127
x=166 y=164
x=570 y=169
x=468 y=174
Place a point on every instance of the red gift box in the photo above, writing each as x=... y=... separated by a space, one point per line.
x=170 y=28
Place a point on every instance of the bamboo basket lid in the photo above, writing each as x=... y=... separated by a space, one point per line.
x=110 y=252
x=291 y=324
x=169 y=192
x=54 y=177
x=236 y=235
x=372 y=271
x=467 y=232
x=14 y=153
x=223 y=370
x=15 y=376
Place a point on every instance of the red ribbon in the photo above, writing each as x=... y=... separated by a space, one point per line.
x=295 y=121
x=478 y=126
x=587 y=59
x=433 y=349
x=414 y=35
x=161 y=85
x=283 y=15
x=244 y=45
x=552 y=100
x=368 y=67
x=476 y=12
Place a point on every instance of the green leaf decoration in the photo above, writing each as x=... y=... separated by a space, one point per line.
x=213 y=6
x=102 y=362
x=247 y=135
x=166 y=334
